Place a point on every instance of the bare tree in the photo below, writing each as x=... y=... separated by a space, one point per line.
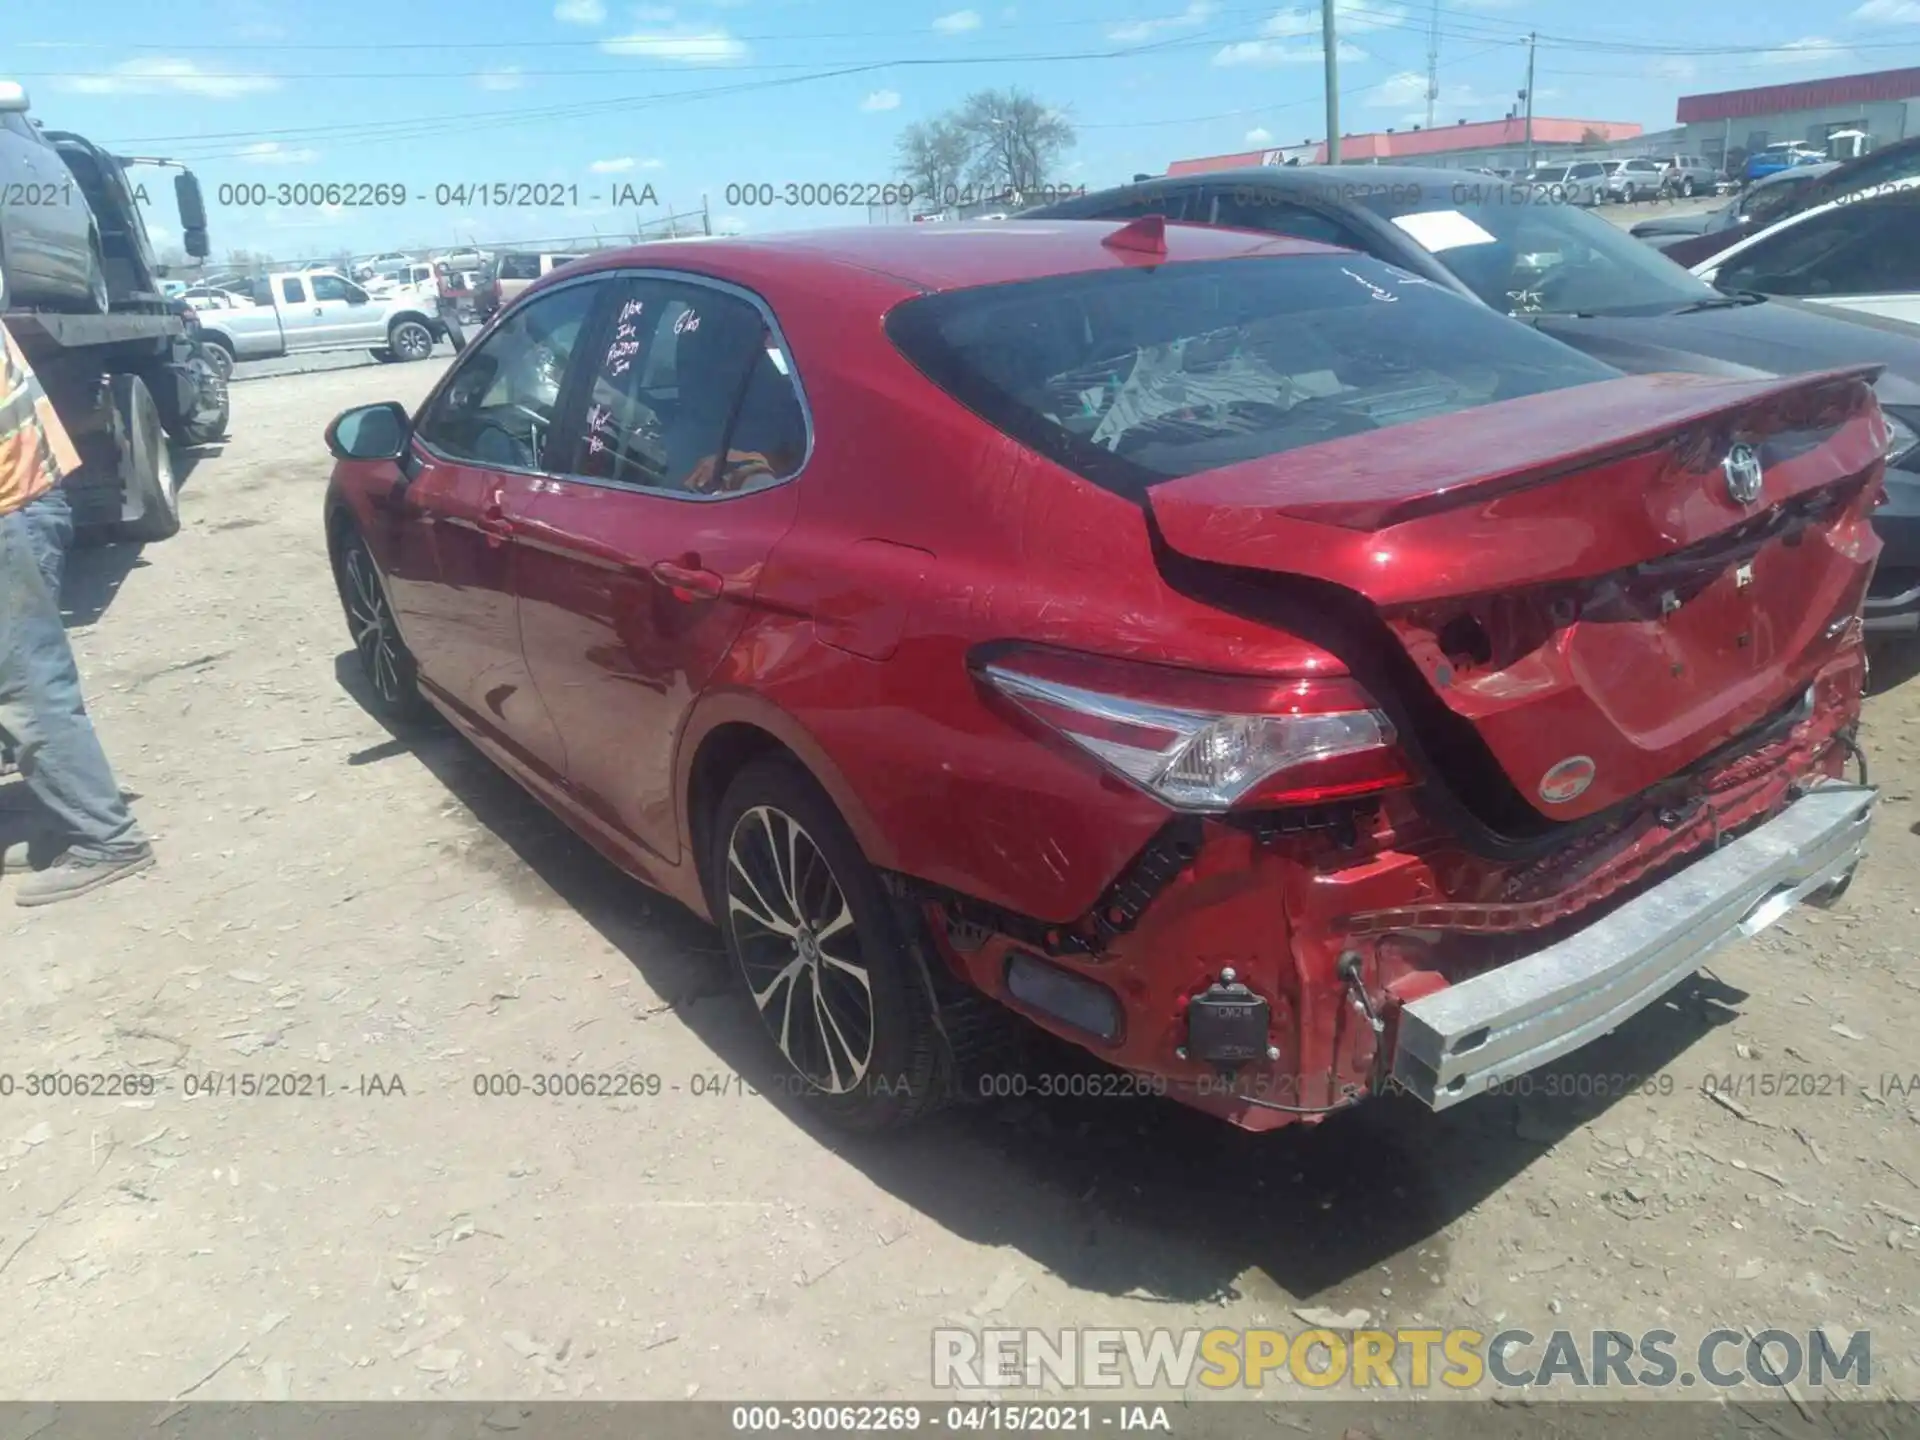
x=934 y=156
x=1013 y=140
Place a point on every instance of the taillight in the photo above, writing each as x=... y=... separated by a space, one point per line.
x=1209 y=743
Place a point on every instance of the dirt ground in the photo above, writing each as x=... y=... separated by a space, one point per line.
x=333 y=901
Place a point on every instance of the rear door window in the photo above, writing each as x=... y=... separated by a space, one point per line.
x=1129 y=377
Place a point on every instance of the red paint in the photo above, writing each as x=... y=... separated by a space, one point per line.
x=609 y=636
x=1880 y=85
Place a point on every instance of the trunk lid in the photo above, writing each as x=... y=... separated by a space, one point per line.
x=1580 y=574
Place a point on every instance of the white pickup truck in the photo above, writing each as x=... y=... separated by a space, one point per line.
x=311 y=310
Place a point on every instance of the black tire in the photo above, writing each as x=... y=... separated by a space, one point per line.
x=219 y=357
x=1686 y=187
x=384 y=355
x=410 y=339
x=147 y=470
x=207 y=426
x=878 y=1060
x=388 y=666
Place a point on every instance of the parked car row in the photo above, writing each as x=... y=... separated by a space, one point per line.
x=1774 y=198
x=1322 y=646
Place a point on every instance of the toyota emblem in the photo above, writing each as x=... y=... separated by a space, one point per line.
x=1744 y=475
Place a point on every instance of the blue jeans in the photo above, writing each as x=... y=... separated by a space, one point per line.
x=41 y=707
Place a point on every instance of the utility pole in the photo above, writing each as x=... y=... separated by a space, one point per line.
x=1528 y=93
x=1433 y=62
x=1328 y=43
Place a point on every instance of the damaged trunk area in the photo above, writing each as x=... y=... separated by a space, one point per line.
x=1557 y=637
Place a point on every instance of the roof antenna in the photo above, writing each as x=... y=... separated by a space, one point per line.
x=1145 y=236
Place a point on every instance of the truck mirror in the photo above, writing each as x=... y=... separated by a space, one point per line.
x=196 y=244
x=186 y=195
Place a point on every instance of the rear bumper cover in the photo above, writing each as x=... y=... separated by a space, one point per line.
x=1471 y=1037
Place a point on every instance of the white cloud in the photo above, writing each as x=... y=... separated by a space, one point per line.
x=729 y=225
x=1812 y=50
x=1408 y=88
x=1396 y=92
x=1259 y=135
x=882 y=100
x=619 y=164
x=1673 y=67
x=690 y=47
x=504 y=77
x=580 y=12
x=272 y=152
x=1273 y=52
x=958 y=22
x=1349 y=16
x=1890 y=12
x=161 y=76
x=1134 y=31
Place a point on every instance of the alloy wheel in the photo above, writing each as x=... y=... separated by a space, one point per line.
x=370 y=623
x=800 y=950
x=412 y=341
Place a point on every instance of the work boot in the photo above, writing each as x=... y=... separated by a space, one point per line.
x=17 y=856
x=70 y=875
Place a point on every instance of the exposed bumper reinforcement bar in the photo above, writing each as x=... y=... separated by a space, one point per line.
x=1470 y=1037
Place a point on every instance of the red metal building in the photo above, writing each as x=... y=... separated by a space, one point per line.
x=1468 y=143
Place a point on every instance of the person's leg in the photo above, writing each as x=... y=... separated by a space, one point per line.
x=50 y=535
x=59 y=754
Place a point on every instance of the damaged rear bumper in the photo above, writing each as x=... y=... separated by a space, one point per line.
x=1473 y=1036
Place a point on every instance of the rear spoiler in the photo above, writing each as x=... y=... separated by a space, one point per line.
x=1384 y=477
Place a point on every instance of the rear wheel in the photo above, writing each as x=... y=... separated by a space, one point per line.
x=219 y=357
x=837 y=987
x=384 y=659
x=410 y=340
x=147 y=470
x=1686 y=187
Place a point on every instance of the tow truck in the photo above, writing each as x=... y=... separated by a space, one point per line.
x=127 y=381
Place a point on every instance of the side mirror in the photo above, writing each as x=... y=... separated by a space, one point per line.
x=192 y=205
x=370 y=432
x=196 y=244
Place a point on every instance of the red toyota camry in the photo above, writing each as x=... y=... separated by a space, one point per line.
x=1275 y=674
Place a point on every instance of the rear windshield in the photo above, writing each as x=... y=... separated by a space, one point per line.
x=1129 y=377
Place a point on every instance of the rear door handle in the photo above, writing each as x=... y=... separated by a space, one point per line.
x=689 y=582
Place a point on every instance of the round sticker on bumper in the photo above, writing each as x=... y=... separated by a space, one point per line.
x=1568 y=780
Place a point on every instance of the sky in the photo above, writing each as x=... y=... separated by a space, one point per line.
x=601 y=102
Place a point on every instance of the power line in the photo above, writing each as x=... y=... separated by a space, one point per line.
x=416 y=126
x=174 y=47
